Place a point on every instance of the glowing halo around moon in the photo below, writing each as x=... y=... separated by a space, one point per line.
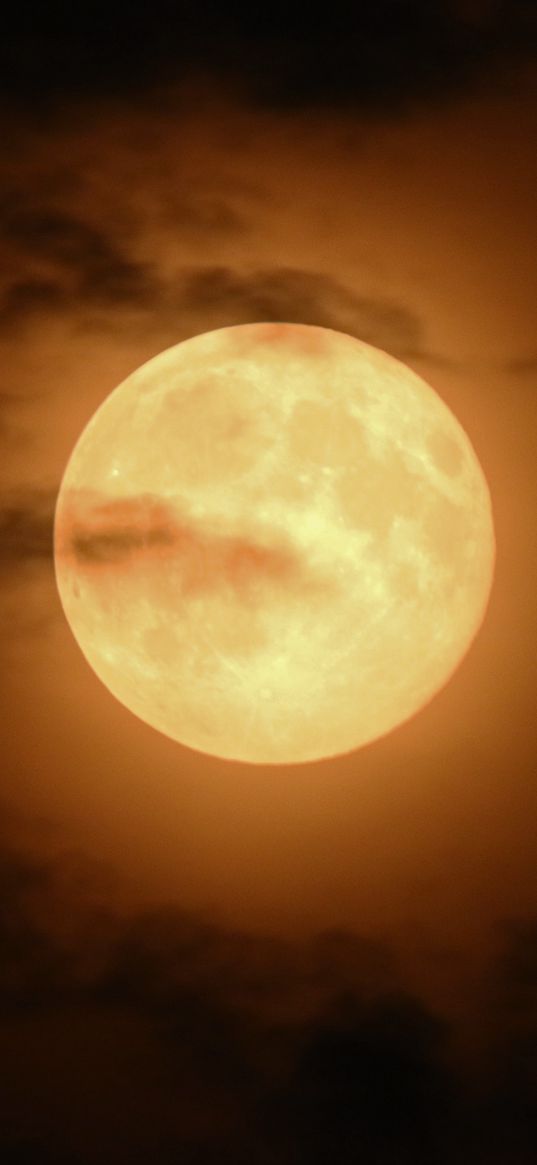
x=274 y=543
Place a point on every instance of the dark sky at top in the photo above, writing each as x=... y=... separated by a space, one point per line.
x=364 y=55
x=199 y=966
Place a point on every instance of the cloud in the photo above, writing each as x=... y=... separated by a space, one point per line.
x=372 y=1078
x=73 y=269
x=66 y=262
x=138 y=241
x=29 y=603
x=166 y=1032
x=510 y=1040
x=215 y=1014
x=26 y=524
x=516 y=968
x=225 y=295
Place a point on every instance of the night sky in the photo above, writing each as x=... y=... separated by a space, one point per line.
x=204 y=962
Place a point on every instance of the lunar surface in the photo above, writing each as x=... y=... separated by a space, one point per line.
x=274 y=543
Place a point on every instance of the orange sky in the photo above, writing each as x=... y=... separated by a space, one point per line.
x=415 y=233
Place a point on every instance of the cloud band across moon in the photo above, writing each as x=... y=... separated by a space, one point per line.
x=96 y=536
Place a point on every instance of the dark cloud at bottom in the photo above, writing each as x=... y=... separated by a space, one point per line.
x=165 y=1036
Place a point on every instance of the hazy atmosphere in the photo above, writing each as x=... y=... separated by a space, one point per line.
x=205 y=961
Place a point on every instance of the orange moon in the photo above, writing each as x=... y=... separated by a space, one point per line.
x=274 y=543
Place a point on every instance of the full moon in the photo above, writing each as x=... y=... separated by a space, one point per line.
x=274 y=543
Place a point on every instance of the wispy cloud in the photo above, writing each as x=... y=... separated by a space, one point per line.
x=228 y=295
x=85 y=269
x=66 y=263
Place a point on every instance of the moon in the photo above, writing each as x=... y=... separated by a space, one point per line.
x=274 y=543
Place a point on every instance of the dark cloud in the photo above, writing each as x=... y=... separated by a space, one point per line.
x=28 y=597
x=227 y=296
x=27 y=298
x=510 y=1055
x=83 y=266
x=167 y=1035
x=26 y=523
x=372 y=1077
x=59 y=237
x=516 y=970
x=369 y=56
x=89 y=276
